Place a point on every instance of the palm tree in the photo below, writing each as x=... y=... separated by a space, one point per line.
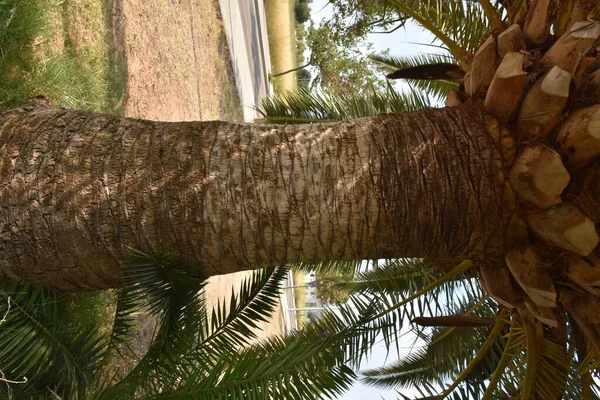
x=506 y=178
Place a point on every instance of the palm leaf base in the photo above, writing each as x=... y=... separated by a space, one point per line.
x=543 y=90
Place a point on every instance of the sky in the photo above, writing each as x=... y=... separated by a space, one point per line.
x=403 y=42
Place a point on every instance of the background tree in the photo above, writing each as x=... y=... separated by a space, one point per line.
x=328 y=285
x=303 y=78
x=301 y=11
x=342 y=66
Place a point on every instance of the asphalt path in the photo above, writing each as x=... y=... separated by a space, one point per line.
x=245 y=24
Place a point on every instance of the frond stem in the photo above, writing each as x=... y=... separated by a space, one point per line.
x=533 y=357
x=504 y=360
x=459 y=269
x=469 y=312
x=489 y=342
x=491 y=13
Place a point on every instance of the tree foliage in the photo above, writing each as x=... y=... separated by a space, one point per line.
x=301 y=11
x=343 y=67
x=329 y=289
x=303 y=78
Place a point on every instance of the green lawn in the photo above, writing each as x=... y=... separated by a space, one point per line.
x=63 y=50
x=282 y=42
x=300 y=297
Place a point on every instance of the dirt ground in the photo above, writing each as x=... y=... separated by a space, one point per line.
x=177 y=60
x=179 y=68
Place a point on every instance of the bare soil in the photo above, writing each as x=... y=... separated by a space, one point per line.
x=179 y=68
x=178 y=63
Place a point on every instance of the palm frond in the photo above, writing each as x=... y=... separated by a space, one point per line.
x=310 y=363
x=170 y=289
x=300 y=107
x=35 y=343
x=459 y=25
x=440 y=361
x=486 y=349
x=343 y=267
x=212 y=339
x=436 y=89
x=274 y=369
x=395 y=282
x=585 y=366
x=413 y=370
x=233 y=327
x=400 y=276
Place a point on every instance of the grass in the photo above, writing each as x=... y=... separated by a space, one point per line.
x=61 y=49
x=300 y=297
x=282 y=42
x=90 y=309
x=231 y=105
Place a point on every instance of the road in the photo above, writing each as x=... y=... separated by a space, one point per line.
x=245 y=24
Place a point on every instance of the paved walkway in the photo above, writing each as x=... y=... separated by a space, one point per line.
x=246 y=27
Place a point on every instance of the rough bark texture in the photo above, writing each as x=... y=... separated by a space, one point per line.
x=79 y=188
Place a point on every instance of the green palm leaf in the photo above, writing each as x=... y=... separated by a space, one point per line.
x=436 y=89
x=310 y=363
x=202 y=342
x=344 y=267
x=35 y=343
x=396 y=281
x=459 y=25
x=446 y=353
x=169 y=289
x=233 y=327
x=298 y=107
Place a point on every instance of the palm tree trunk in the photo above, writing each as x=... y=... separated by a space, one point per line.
x=79 y=189
x=292 y=70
